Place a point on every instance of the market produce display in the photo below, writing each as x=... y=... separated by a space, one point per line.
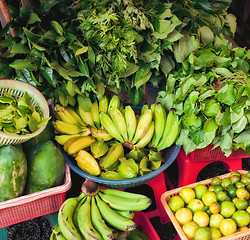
x=113 y=141
x=105 y=214
x=214 y=210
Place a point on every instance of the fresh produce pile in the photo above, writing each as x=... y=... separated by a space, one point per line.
x=212 y=211
x=105 y=214
x=112 y=141
x=18 y=115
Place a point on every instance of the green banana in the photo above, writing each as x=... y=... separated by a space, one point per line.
x=137 y=234
x=98 y=222
x=103 y=104
x=172 y=134
x=66 y=128
x=100 y=134
x=110 y=127
x=75 y=115
x=64 y=115
x=147 y=137
x=52 y=236
x=131 y=121
x=160 y=121
x=65 y=219
x=143 y=125
x=75 y=214
x=121 y=203
x=122 y=194
x=86 y=117
x=58 y=233
x=144 y=108
x=114 y=102
x=95 y=113
x=127 y=214
x=85 y=223
x=98 y=148
x=113 y=218
x=119 y=121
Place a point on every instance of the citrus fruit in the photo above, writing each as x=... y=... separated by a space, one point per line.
x=199 y=190
x=248 y=174
x=208 y=198
x=218 y=188
x=215 y=220
x=187 y=194
x=245 y=180
x=248 y=187
x=237 y=173
x=242 y=193
x=242 y=218
x=183 y=215
x=215 y=181
x=248 y=209
x=215 y=233
x=214 y=208
x=195 y=205
x=243 y=228
x=175 y=203
x=226 y=182
x=201 y=218
x=241 y=204
x=239 y=184
x=234 y=179
x=231 y=191
x=228 y=226
x=202 y=233
x=227 y=209
x=189 y=229
x=221 y=196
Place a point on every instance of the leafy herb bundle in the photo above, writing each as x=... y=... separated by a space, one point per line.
x=211 y=94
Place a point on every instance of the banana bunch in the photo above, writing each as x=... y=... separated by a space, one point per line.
x=108 y=214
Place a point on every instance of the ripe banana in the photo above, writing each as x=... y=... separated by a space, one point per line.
x=58 y=233
x=86 y=117
x=131 y=121
x=114 y=102
x=79 y=144
x=99 y=148
x=64 y=115
x=66 y=128
x=75 y=115
x=143 y=125
x=61 y=139
x=69 y=141
x=122 y=203
x=103 y=104
x=110 y=127
x=113 y=218
x=147 y=137
x=95 y=113
x=101 y=134
x=119 y=121
x=65 y=219
x=160 y=122
x=172 y=134
x=98 y=222
x=85 y=223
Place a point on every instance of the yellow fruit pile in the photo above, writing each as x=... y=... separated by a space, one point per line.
x=212 y=211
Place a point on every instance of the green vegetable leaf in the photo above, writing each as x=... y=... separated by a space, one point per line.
x=226 y=94
x=23 y=64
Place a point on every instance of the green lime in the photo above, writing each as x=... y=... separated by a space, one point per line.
x=235 y=173
x=211 y=188
x=199 y=190
x=248 y=174
x=202 y=233
x=226 y=182
x=221 y=196
x=239 y=184
x=183 y=215
x=234 y=179
x=241 y=217
x=242 y=193
x=195 y=205
x=189 y=229
x=241 y=204
x=175 y=203
x=201 y=218
x=231 y=191
x=245 y=180
x=209 y=197
x=228 y=226
x=215 y=220
x=227 y=209
x=187 y=194
x=218 y=188
x=215 y=181
x=215 y=233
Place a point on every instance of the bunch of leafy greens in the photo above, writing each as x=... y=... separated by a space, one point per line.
x=82 y=48
x=211 y=94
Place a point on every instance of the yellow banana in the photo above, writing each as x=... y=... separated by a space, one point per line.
x=131 y=121
x=172 y=133
x=88 y=163
x=103 y=104
x=110 y=127
x=86 y=117
x=69 y=141
x=75 y=115
x=66 y=128
x=114 y=102
x=61 y=139
x=147 y=137
x=95 y=113
x=143 y=125
x=159 y=117
x=79 y=144
x=100 y=134
x=119 y=121
x=144 y=108
x=64 y=115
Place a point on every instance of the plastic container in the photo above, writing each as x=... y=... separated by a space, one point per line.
x=34 y=205
x=18 y=89
x=169 y=155
x=243 y=235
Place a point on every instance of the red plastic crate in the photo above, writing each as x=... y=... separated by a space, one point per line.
x=34 y=205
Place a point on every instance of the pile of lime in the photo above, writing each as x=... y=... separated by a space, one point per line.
x=212 y=211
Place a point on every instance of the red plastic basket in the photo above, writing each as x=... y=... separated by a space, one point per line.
x=34 y=205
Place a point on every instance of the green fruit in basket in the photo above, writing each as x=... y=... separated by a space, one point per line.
x=199 y=190
x=202 y=233
x=189 y=229
x=242 y=218
x=175 y=203
x=46 y=168
x=187 y=194
x=13 y=172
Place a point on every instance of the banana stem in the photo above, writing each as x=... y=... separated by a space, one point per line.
x=90 y=188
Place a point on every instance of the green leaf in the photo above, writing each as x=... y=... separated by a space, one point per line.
x=23 y=64
x=57 y=27
x=31 y=36
x=85 y=103
x=226 y=94
x=206 y=35
x=210 y=125
x=244 y=138
x=83 y=66
x=222 y=71
x=19 y=48
x=197 y=136
x=82 y=50
x=240 y=125
x=136 y=95
x=33 y=18
x=48 y=75
x=140 y=82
